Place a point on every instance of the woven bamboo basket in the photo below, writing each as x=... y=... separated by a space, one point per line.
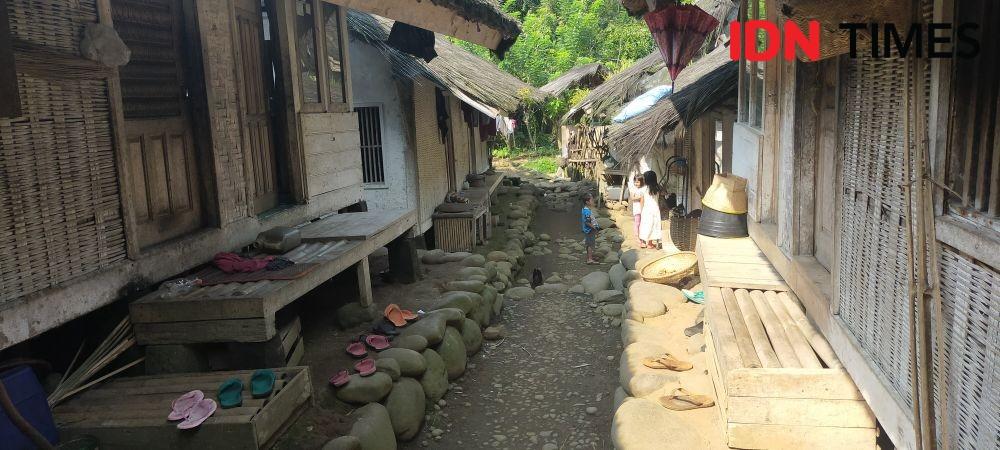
x=684 y=229
x=671 y=269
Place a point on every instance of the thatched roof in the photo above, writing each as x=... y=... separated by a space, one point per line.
x=605 y=100
x=488 y=13
x=703 y=85
x=587 y=75
x=454 y=68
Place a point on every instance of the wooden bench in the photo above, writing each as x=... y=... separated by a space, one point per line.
x=128 y=413
x=779 y=384
x=463 y=231
x=245 y=312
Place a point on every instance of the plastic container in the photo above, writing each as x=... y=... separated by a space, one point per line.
x=722 y=225
x=28 y=397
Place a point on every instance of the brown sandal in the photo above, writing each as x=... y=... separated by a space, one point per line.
x=667 y=361
x=682 y=400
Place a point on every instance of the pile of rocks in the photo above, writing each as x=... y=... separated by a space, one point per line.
x=563 y=195
x=415 y=374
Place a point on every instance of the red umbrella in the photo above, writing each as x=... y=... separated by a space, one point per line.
x=679 y=31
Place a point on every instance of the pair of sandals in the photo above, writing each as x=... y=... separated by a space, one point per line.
x=680 y=399
x=191 y=409
x=399 y=317
x=365 y=367
x=359 y=348
x=231 y=390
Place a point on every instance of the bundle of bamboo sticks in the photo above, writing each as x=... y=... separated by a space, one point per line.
x=78 y=378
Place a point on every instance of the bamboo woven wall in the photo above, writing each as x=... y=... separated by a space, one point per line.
x=432 y=178
x=873 y=289
x=60 y=211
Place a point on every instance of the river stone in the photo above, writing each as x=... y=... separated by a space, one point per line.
x=637 y=379
x=647 y=299
x=670 y=296
x=472 y=337
x=452 y=351
x=611 y=257
x=353 y=314
x=577 y=289
x=435 y=378
x=373 y=427
x=620 y=397
x=595 y=282
x=554 y=288
x=432 y=325
x=413 y=342
x=631 y=276
x=389 y=367
x=629 y=257
x=613 y=310
x=411 y=364
x=347 y=442
x=480 y=278
x=642 y=424
x=456 y=256
x=617 y=275
x=555 y=278
x=633 y=331
x=361 y=390
x=467 y=271
x=496 y=255
x=467 y=286
x=610 y=296
x=457 y=299
x=494 y=333
x=520 y=293
x=474 y=261
x=405 y=405
x=605 y=223
x=435 y=256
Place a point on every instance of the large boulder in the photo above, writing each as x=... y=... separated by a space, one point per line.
x=612 y=310
x=452 y=351
x=432 y=325
x=520 y=293
x=413 y=342
x=639 y=380
x=353 y=314
x=346 y=442
x=405 y=405
x=497 y=256
x=617 y=276
x=605 y=223
x=551 y=288
x=435 y=378
x=436 y=256
x=457 y=299
x=651 y=299
x=641 y=424
x=389 y=367
x=631 y=276
x=595 y=282
x=472 y=337
x=373 y=427
x=467 y=271
x=361 y=390
x=411 y=364
x=456 y=256
x=629 y=258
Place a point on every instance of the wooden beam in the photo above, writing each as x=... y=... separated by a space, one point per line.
x=430 y=16
x=10 y=106
x=364 y=282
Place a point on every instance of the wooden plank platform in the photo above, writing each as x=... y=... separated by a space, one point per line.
x=462 y=231
x=778 y=383
x=128 y=413
x=352 y=226
x=244 y=312
x=736 y=263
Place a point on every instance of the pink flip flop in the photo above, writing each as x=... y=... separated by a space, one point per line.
x=341 y=378
x=357 y=350
x=377 y=342
x=182 y=405
x=201 y=411
x=365 y=367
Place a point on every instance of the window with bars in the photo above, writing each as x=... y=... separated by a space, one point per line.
x=370 y=126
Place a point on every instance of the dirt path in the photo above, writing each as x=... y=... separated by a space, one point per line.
x=549 y=383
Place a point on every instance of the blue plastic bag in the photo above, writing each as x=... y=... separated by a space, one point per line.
x=642 y=103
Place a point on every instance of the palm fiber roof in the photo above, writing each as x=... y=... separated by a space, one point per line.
x=586 y=75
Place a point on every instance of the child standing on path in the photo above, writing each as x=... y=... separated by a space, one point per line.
x=589 y=227
x=636 y=191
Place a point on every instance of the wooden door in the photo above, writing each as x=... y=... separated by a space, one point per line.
x=826 y=167
x=161 y=157
x=253 y=68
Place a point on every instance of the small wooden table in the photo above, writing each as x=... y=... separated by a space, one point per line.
x=462 y=231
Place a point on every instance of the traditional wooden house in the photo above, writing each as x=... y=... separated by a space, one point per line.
x=432 y=121
x=125 y=162
x=873 y=186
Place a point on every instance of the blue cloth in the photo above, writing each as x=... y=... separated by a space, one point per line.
x=642 y=103
x=587 y=220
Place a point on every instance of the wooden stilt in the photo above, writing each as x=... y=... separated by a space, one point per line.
x=364 y=282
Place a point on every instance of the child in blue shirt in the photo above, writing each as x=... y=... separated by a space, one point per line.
x=590 y=227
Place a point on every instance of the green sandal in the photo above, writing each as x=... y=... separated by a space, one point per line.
x=262 y=383
x=231 y=393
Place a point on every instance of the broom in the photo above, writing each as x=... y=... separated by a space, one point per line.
x=78 y=379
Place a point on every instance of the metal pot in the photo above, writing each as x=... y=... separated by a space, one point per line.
x=722 y=225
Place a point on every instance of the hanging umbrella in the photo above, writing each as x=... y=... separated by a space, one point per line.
x=679 y=31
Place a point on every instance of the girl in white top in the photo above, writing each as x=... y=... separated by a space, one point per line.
x=636 y=191
x=649 y=227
